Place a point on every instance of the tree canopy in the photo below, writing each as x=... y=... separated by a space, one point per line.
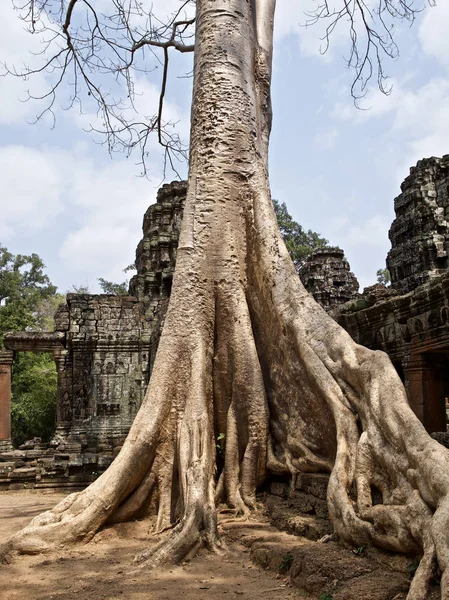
x=300 y=243
x=28 y=302
x=24 y=286
x=383 y=276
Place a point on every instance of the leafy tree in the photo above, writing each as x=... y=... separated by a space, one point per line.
x=34 y=389
x=383 y=276
x=45 y=312
x=78 y=289
x=28 y=302
x=300 y=244
x=244 y=351
x=117 y=289
x=23 y=286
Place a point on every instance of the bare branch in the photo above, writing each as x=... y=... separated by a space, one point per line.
x=371 y=25
x=100 y=55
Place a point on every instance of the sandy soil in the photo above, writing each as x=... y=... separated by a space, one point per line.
x=103 y=569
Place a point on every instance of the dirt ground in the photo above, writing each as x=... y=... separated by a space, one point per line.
x=259 y=560
x=103 y=569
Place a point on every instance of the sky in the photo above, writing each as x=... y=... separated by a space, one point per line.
x=338 y=168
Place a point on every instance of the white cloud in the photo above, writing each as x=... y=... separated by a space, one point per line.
x=297 y=18
x=433 y=32
x=326 y=139
x=372 y=232
x=31 y=190
x=419 y=119
x=109 y=203
x=103 y=202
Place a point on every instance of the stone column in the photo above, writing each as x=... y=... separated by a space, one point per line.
x=64 y=396
x=425 y=390
x=6 y=358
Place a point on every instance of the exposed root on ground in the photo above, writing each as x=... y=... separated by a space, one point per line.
x=251 y=375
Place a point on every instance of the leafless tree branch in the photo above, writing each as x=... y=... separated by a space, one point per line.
x=372 y=30
x=100 y=54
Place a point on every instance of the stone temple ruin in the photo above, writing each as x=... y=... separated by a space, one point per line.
x=104 y=345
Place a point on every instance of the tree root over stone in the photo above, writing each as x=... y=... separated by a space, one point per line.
x=297 y=395
x=247 y=356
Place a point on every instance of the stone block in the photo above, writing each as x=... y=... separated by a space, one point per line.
x=6 y=467
x=13 y=455
x=75 y=460
x=279 y=489
x=313 y=483
x=23 y=473
x=54 y=480
x=308 y=504
x=59 y=457
x=34 y=453
x=89 y=459
x=77 y=478
x=21 y=485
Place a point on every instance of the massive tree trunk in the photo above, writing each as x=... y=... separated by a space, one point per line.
x=247 y=353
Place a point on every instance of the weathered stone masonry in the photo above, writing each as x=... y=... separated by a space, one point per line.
x=410 y=321
x=104 y=345
x=419 y=233
x=327 y=276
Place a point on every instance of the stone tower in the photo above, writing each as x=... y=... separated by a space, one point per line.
x=326 y=275
x=156 y=251
x=419 y=234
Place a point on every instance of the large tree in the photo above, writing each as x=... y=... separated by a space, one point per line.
x=28 y=301
x=245 y=352
x=24 y=291
x=299 y=242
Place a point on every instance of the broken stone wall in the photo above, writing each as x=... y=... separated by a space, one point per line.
x=101 y=347
x=419 y=234
x=327 y=276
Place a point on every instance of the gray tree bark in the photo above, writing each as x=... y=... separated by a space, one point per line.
x=247 y=353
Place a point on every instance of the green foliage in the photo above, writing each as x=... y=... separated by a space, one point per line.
x=220 y=443
x=412 y=565
x=28 y=301
x=23 y=285
x=45 y=312
x=299 y=243
x=326 y=596
x=78 y=289
x=383 y=276
x=117 y=289
x=33 y=405
x=286 y=562
x=359 y=550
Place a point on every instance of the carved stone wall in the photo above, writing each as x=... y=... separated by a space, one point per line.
x=156 y=252
x=413 y=329
x=327 y=276
x=419 y=234
x=104 y=374
x=103 y=345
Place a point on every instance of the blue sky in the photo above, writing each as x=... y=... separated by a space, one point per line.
x=337 y=168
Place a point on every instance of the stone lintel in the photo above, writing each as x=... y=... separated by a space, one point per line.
x=34 y=341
